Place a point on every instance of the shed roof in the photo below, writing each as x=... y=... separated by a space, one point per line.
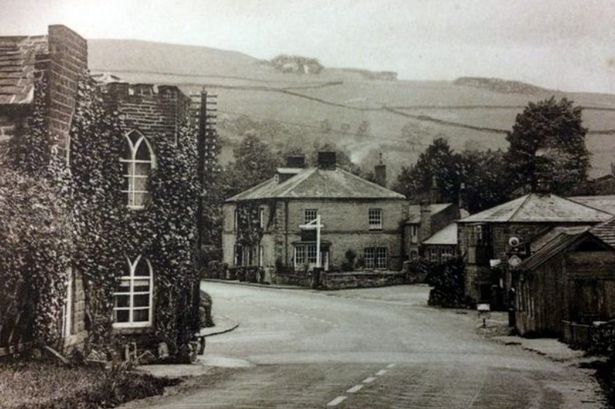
x=445 y=237
x=17 y=60
x=317 y=183
x=536 y=207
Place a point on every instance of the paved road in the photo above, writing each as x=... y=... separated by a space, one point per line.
x=371 y=348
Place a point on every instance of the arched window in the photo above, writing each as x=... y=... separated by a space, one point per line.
x=133 y=299
x=138 y=159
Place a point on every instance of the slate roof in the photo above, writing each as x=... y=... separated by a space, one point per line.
x=320 y=184
x=445 y=237
x=17 y=59
x=605 y=232
x=414 y=211
x=561 y=240
x=536 y=207
x=605 y=203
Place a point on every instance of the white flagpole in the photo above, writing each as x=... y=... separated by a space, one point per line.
x=318 y=241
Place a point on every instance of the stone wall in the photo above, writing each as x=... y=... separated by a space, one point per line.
x=156 y=111
x=361 y=279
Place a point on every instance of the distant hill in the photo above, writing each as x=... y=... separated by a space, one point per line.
x=502 y=86
x=363 y=113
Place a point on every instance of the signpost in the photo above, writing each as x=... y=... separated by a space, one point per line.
x=315 y=224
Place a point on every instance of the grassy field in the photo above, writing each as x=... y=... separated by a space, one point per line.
x=466 y=116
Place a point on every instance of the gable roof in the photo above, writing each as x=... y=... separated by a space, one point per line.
x=561 y=239
x=605 y=232
x=414 y=211
x=17 y=60
x=536 y=207
x=317 y=183
x=445 y=237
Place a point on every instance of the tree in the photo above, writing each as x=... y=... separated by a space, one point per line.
x=437 y=164
x=548 y=138
x=254 y=163
x=483 y=175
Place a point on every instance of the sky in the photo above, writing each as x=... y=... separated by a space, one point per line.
x=559 y=44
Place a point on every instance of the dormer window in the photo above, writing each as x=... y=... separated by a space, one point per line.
x=138 y=160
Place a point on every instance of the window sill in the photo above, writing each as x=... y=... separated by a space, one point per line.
x=375 y=229
x=130 y=330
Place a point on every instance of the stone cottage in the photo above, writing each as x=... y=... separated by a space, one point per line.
x=500 y=235
x=358 y=217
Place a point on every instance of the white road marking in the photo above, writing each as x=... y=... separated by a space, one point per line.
x=390 y=366
x=369 y=380
x=337 y=401
x=381 y=372
x=355 y=389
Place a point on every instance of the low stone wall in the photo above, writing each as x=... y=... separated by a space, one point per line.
x=361 y=279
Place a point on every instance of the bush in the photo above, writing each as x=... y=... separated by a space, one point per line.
x=241 y=273
x=348 y=265
x=232 y=273
x=448 y=283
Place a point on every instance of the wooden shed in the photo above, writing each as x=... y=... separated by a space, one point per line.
x=569 y=277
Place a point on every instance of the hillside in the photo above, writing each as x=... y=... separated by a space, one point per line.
x=363 y=115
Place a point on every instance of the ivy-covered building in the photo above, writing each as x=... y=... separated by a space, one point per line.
x=133 y=195
x=262 y=224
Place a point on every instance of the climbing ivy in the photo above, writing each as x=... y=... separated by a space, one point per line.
x=164 y=232
x=35 y=230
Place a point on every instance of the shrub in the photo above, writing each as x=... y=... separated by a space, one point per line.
x=448 y=283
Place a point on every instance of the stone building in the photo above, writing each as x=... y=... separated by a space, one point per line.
x=148 y=113
x=500 y=236
x=357 y=216
x=423 y=221
x=58 y=59
x=442 y=245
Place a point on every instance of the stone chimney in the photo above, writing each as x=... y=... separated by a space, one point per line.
x=380 y=173
x=326 y=160
x=68 y=59
x=294 y=165
x=434 y=192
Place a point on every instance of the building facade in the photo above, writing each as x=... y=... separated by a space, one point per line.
x=491 y=238
x=360 y=220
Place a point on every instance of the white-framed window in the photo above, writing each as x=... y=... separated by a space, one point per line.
x=133 y=300
x=375 y=219
x=299 y=255
x=375 y=257
x=138 y=160
x=447 y=253
x=414 y=233
x=311 y=253
x=310 y=215
x=261 y=217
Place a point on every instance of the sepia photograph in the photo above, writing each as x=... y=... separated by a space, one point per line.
x=303 y=204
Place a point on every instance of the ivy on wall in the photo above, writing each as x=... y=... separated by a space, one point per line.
x=249 y=230
x=108 y=232
x=35 y=231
